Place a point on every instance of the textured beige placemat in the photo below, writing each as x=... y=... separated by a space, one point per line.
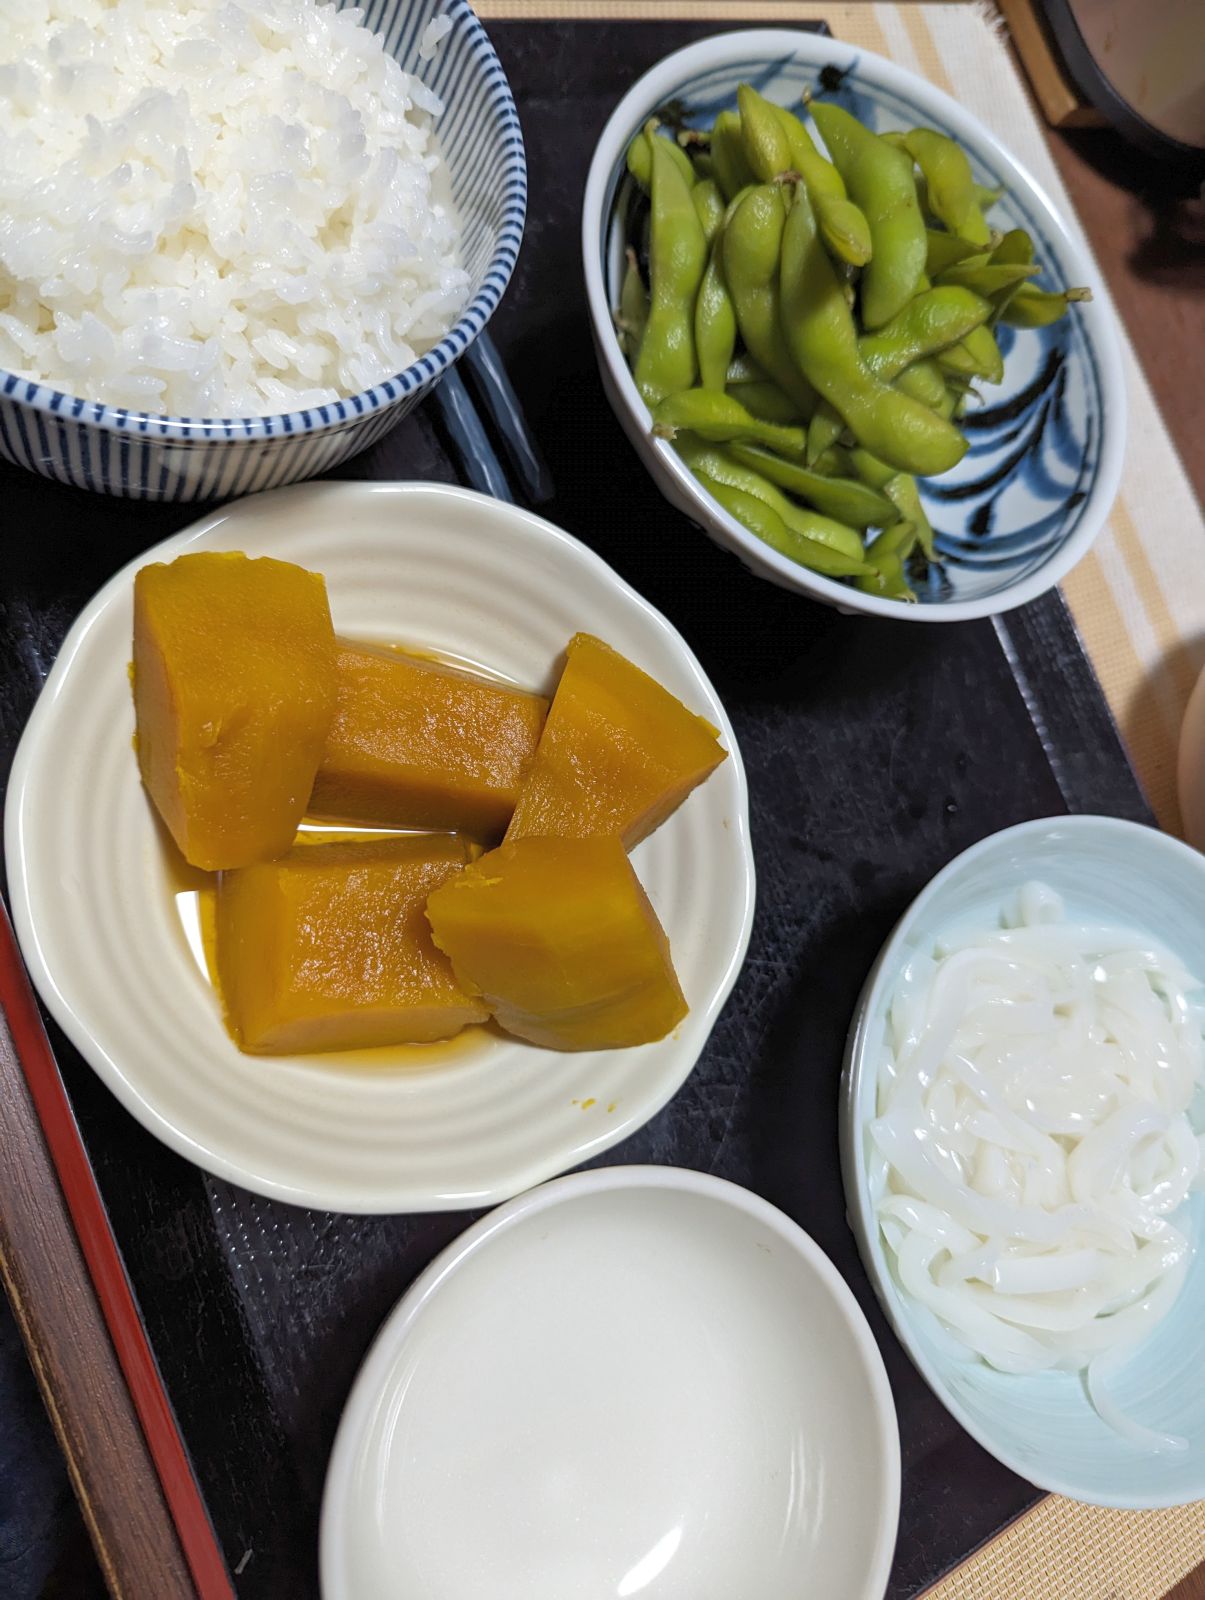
x=1139 y=597
x=1139 y=602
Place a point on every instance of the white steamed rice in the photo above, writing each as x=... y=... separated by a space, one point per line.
x=214 y=207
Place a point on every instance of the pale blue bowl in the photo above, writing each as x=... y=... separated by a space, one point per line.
x=1046 y=447
x=1044 y=1426
x=149 y=457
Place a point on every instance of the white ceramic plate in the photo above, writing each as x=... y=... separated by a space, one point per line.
x=95 y=904
x=637 y=1381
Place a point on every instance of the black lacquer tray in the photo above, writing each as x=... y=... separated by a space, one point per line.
x=876 y=750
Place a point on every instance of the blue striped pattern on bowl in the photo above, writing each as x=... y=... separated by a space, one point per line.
x=147 y=457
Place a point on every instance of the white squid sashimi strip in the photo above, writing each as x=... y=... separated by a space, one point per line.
x=1008 y=1349
x=1047 y=1274
x=1095 y=1164
x=1142 y=1438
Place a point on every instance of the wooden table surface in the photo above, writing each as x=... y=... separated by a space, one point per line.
x=1150 y=247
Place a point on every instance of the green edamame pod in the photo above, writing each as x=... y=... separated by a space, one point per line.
x=640 y=157
x=844 y=229
x=975 y=356
x=767 y=401
x=752 y=243
x=743 y=369
x=718 y=418
x=1014 y=249
x=905 y=496
x=715 y=322
x=822 y=339
x=944 y=249
x=818 y=174
x=834 y=463
x=701 y=161
x=879 y=180
x=761 y=520
x=720 y=464
x=633 y=308
x=928 y=323
x=986 y=198
x=677 y=258
x=924 y=382
x=1032 y=307
x=947 y=174
x=988 y=278
x=732 y=171
x=709 y=204
x=824 y=431
x=844 y=499
x=765 y=141
x=890 y=550
x=877 y=474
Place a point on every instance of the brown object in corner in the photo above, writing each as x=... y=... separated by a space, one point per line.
x=1056 y=94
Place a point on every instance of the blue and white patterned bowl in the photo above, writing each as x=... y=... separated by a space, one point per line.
x=147 y=457
x=1046 y=449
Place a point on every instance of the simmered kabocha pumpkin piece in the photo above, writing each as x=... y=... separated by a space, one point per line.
x=234 y=688
x=417 y=744
x=560 y=941
x=329 y=948
x=618 y=753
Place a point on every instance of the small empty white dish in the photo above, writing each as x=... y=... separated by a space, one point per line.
x=635 y=1381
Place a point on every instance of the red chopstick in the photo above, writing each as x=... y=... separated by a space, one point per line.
x=108 y=1274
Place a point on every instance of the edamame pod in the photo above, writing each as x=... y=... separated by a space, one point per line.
x=763 y=136
x=677 y=258
x=709 y=205
x=877 y=474
x=947 y=174
x=715 y=321
x=633 y=308
x=924 y=382
x=640 y=157
x=928 y=323
x=944 y=249
x=988 y=278
x=975 y=356
x=767 y=401
x=879 y=180
x=844 y=499
x=1032 y=307
x=718 y=418
x=905 y=496
x=752 y=244
x=823 y=341
x=721 y=465
x=762 y=520
x=732 y=171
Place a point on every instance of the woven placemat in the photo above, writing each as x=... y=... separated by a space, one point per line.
x=1139 y=603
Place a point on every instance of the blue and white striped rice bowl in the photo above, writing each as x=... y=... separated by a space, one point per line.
x=119 y=451
x=1046 y=445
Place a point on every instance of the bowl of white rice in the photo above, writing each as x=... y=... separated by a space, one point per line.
x=239 y=241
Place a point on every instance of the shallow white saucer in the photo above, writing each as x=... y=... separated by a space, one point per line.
x=635 y=1381
x=98 y=908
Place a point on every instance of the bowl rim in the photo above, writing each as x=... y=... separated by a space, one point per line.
x=60 y=997
x=333 y=415
x=653 y=88
x=371 y=1379
x=860 y=1215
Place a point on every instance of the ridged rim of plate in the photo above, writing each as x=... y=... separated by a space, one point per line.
x=373 y=1379
x=418 y=375
x=659 y=85
x=92 y=902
